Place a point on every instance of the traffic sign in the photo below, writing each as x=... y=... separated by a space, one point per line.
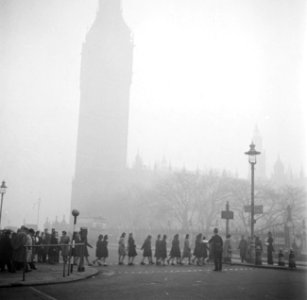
x=228 y=215
x=258 y=209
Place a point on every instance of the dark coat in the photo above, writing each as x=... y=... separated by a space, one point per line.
x=216 y=243
x=175 y=250
x=105 y=251
x=99 y=249
x=18 y=242
x=198 y=249
x=163 y=249
x=147 y=248
x=158 y=249
x=131 y=247
x=6 y=249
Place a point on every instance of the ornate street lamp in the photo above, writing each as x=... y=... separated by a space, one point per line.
x=252 y=159
x=3 y=188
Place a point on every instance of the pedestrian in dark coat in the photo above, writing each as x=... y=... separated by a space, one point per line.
x=175 y=251
x=270 y=248
x=19 y=241
x=243 y=248
x=217 y=249
x=197 y=249
x=158 y=250
x=163 y=249
x=131 y=249
x=52 y=250
x=147 y=253
x=105 y=251
x=258 y=247
x=6 y=252
x=186 y=249
x=98 y=250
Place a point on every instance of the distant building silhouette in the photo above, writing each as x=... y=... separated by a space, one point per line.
x=279 y=176
x=106 y=73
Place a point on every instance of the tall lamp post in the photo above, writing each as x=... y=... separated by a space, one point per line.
x=252 y=159
x=3 y=188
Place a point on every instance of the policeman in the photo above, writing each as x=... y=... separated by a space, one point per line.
x=216 y=243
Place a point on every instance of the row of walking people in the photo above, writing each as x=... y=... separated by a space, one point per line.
x=204 y=250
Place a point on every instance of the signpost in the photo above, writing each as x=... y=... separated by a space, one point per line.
x=228 y=215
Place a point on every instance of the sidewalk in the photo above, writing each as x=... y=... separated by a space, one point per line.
x=45 y=274
x=300 y=266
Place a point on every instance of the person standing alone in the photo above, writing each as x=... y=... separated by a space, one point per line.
x=217 y=248
x=270 y=248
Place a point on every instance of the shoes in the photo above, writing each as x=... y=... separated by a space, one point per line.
x=142 y=263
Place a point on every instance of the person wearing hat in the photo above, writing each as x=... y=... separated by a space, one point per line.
x=216 y=243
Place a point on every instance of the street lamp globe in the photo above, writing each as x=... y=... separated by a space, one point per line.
x=3 y=188
x=252 y=154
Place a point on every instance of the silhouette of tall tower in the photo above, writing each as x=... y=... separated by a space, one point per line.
x=106 y=72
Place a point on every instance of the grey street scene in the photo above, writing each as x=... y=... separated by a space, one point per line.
x=153 y=149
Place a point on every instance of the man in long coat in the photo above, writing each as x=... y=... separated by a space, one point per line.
x=216 y=243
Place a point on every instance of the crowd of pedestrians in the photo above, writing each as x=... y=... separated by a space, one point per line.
x=22 y=249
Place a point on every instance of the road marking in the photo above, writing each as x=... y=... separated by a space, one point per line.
x=44 y=295
x=182 y=271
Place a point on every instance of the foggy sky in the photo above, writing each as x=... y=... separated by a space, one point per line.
x=205 y=73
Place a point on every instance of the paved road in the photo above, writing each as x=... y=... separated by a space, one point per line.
x=173 y=282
